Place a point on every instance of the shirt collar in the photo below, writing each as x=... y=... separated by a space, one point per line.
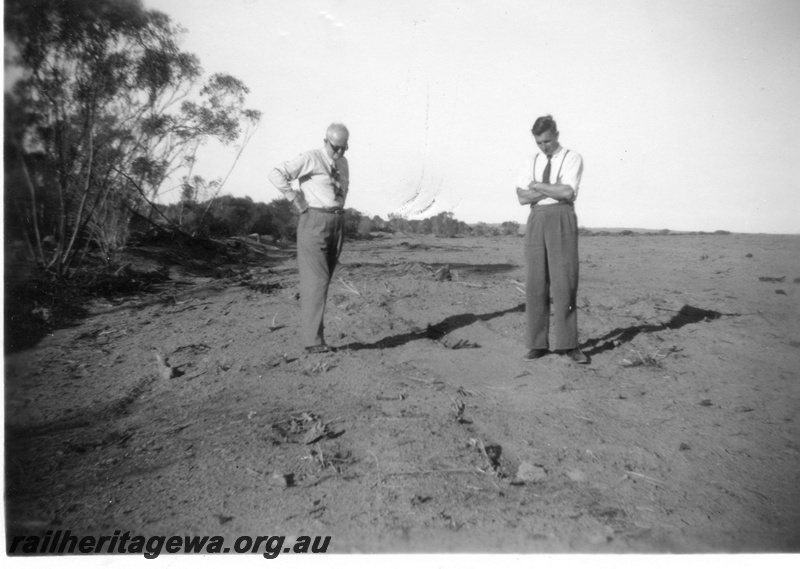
x=328 y=160
x=558 y=151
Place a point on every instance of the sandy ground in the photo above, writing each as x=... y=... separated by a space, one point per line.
x=425 y=431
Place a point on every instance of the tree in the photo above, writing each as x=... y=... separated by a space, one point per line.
x=509 y=228
x=110 y=109
x=352 y=221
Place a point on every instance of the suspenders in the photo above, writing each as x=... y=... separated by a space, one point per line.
x=558 y=174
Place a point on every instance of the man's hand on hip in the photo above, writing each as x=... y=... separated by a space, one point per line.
x=300 y=203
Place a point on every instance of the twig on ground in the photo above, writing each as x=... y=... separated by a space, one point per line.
x=440 y=471
x=645 y=477
x=349 y=287
x=426 y=381
x=195 y=375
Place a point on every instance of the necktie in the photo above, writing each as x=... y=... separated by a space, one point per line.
x=337 y=185
x=546 y=174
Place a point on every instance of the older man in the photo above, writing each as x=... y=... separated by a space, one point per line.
x=324 y=180
x=549 y=183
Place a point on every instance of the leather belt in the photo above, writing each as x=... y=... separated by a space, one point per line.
x=336 y=210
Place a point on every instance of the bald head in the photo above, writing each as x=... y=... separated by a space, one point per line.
x=336 y=138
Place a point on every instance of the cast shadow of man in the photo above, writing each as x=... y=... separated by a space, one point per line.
x=433 y=331
x=686 y=315
x=593 y=346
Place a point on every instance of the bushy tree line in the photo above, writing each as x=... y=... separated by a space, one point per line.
x=106 y=109
x=229 y=216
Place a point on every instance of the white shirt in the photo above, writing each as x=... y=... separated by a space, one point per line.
x=320 y=184
x=566 y=167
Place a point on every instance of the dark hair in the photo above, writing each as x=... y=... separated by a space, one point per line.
x=543 y=124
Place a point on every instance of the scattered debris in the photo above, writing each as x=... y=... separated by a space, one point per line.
x=772 y=279
x=417 y=500
x=331 y=460
x=349 y=287
x=305 y=428
x=318 y=368
x=468 y=392
x=317 y=431
x=653 y=481
x=437 y=471
x=490 y=453
x=648 y=360
x=459 y=407
x=461 y=344
x=422 y=380
x=400 y=397
x=273 y=327
x=443 y=274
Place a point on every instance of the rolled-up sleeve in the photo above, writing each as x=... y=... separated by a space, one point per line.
x=282 y=175
x=525 y=176
x=572 y=171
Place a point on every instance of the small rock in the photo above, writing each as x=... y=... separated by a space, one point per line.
x=279 y=479
x=576 y=476
x=165 y=371
x=684 y=446
x=528 y=472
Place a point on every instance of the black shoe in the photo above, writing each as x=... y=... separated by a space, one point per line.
x=535 y=354
x=577 y=356
x=319 y=349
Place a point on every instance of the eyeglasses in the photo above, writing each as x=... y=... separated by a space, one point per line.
x=337 y=149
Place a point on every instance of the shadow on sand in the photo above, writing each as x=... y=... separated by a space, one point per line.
x=433 y=331
x=686 y=315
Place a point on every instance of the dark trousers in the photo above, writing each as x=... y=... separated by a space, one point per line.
x=551 y=255
x=320 y=236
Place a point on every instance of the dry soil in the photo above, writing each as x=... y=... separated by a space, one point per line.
x=192 y=410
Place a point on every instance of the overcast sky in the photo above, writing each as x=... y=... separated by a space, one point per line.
x=685 y=111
